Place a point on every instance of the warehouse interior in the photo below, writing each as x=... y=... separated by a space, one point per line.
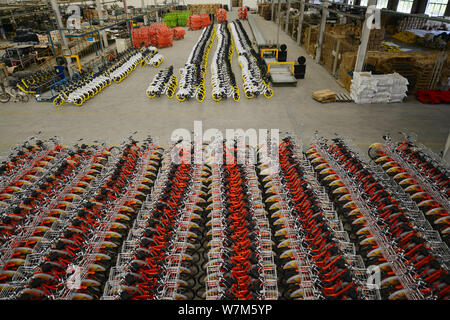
x=367 y=81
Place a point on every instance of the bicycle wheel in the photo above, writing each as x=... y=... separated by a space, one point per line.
x=4 y=97
x=58 y=101
x=24 y=98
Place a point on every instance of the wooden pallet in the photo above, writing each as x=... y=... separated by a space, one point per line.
x=324 y=96
x=343 y=97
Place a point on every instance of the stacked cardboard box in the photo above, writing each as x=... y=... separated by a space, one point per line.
x=43 y=38
x=329 y=52
x=292 y=20
x=90 y=14
x=265 y=11
x=197 y=9
x=293 y=26
x=348 y=38
x=55 y=36
x=311 y=32
x=352 y=34
x=3 y=71
x=347 y=65
x=275 y=10
x=415 y=66
x=237 y=3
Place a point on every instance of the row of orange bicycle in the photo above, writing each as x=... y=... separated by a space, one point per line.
x=139 y=222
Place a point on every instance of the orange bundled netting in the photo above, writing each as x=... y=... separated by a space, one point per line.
x=141 y=36
x=206 y=21
x=158 y=34
x=194 y=22
x=178 y=33
x=221 y=15
x=242 y=13
x=161 y=35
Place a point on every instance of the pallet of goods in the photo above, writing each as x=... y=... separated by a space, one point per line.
x=324 y=96
x=383 y=88
x=197 y=9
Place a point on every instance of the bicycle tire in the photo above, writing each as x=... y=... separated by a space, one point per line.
x=25 y=98
x=5 y=97
x=58 y=102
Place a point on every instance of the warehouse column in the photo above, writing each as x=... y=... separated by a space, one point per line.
x=129 y=26
x=300 y=22
x=419 y=6
x=365 y=34
x=101 y=23
x=273 y=4
x=392 y=5
x=145 y=15
x=64 y=46
x=287 y=16
x=279 y=23
x=125 y=8
x=322 y=30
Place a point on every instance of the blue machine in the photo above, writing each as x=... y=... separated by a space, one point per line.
x=53 y=84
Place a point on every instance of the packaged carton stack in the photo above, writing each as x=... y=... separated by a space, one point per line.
x=386 y=88
x=275 y=10
x=55 y=36
x=90 y=14
x=265 y=11
x=43 y=38
x=197 y=9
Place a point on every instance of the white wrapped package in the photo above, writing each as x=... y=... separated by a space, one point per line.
x=384 y=88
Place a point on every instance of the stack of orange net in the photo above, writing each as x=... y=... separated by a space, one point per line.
x=206 y=21
x=221 y=15
x=242 y=13
x=163 y=35
x=178 y=33
x=195 y=22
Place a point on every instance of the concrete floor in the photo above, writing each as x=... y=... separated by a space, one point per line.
x=124 y=108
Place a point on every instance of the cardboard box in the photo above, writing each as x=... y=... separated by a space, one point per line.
x=197 y=9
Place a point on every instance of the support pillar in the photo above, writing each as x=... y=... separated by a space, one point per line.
x=278 y=23
x=323 y=22
x=65 y=47
x=286 y=29
x=101 y=23
x=365 y=34
x=300 y=22
x=143 y=9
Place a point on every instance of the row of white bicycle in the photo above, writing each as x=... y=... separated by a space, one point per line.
x=86 y=85
x=255 y=83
